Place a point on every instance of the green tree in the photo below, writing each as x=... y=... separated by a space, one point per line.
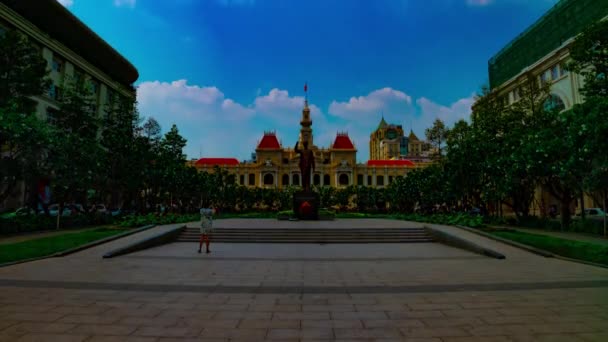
x=437 y=135
x=22 y=72
x=589 y=58
x=75 y=155
x=22 y=135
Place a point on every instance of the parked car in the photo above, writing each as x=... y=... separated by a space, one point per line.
x=23 y=211
x=593 y=212
x=54 y=210
x=101 y=209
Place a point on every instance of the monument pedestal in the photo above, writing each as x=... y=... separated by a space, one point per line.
x=306 y=205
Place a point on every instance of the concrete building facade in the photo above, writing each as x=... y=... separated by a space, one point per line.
x=72 y=52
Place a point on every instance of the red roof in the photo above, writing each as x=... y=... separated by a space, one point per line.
x=269 y=141
x=343 y=142
x=217 y=161
x=403 y=162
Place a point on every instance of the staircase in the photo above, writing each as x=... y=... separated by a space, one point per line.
x=310 y=235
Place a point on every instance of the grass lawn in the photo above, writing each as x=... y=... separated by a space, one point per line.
x=53 y=244
x=586 y=251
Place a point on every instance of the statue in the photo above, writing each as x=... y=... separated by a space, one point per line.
x=307 y=162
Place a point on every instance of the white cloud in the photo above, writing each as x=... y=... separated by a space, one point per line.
x=479 y=2
x=370 y=104
x=125 y=3
x=223 y=127
x=66 y=3
x=429 y=111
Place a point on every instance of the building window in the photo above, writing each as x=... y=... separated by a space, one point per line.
x=359 y=179
x=109 y=95
x=343 y=179
x=326 y=179
x=516 y=94
x=555 y=72
x=251 y=179
x=55 y=92
x=78 y=76
x=51 y=115
x=285 y=161
x=543 y=78
x=295 y=179
x=369 y=180
x=554 y=102
x=380 y=180
x=57 y=65
x=390 y=179
x=268 y=179
x=242 y=179
x=562 y=69
x=285 y=180
x=94 y=86
x=316 y=179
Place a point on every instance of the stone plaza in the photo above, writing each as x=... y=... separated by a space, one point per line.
x=304 y=292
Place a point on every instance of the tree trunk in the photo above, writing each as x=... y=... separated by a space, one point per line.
x=605 y=195
x=59 y=216
x=565 y=209
x=582 y=205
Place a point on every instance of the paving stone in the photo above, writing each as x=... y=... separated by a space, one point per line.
x=263 y=323
x=367 y=333
x=52 y=338
x=359 y=315
x=389 y=323
x=90 y=319
x=306 y=333
x=103 y=329
x=244 y=333
x=441 y=332
x=123 y=339
x=349 y=323
x=31 y=327
x=301 y=315
x=167 y=331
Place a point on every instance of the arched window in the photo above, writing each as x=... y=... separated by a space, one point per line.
x=554 y=102
x=285 y=180
x=343 y=179
x=326 y=180
x=295 y=179
x=268 y=179
x=316 y=179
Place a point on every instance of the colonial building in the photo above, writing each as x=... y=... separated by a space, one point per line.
x=275 y=165
x=388 y=141
x=542 y=51
x=72 y=51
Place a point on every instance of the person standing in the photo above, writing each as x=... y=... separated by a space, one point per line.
x=206 y=226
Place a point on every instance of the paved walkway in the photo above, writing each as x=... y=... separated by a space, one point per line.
x=253 y=292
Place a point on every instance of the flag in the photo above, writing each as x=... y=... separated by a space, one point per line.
x=306 y=86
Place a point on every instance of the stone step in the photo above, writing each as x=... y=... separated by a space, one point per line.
x=310 y=235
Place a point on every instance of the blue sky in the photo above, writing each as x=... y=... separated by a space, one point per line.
x=225 y=71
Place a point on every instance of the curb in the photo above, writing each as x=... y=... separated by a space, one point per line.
x=509 y=242
x=534 y=250
x=153 y=241
x=80 y=248
x=459 y=242
x=102 y=241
